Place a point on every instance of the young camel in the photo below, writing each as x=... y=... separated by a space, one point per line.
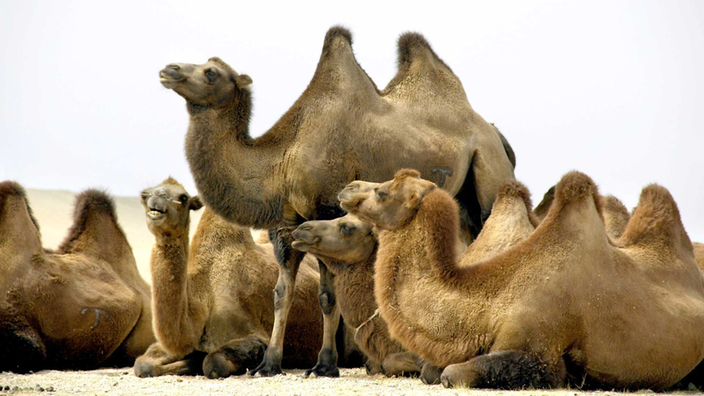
x=563 y=306
x=81 y=307
x=294 y=171
x=213 y=312
x=348 y=246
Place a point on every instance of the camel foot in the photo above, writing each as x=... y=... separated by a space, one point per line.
x=326 y=366
x=323 y=370
x=502 y=370
x=216 y=366
x=430 y=374
x=373 y=367
x=144 y=369
x=402 y=364
x=269 y=367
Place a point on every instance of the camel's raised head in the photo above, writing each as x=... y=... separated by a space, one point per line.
x=168 y=207
x=389 y=205
x=214 y=83
x=347 y=239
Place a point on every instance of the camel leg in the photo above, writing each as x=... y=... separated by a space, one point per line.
x=503 y=370
x=401 y=364
x=373 y=367
x=430 y=374
x=289 y=260
x=235 y=357
x=327 y=358
x=156 y=361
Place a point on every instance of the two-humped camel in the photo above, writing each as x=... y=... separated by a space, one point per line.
x=347 y=245
x=342 y=128
x=213 y=312
x=80 y=307
x=565 y=305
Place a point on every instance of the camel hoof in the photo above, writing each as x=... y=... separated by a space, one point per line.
x=216 y=366
x=430 y=375
x=323 y=370
x=445 y=380
x=267 y=370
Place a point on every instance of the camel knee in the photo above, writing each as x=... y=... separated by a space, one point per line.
x=327 y=301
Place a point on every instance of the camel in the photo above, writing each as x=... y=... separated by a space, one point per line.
x=347 y=246
x=79 y=307
x=563 y=306
x=213 y=313
x=341 y=128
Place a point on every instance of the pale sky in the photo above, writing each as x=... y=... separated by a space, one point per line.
x=610 y=88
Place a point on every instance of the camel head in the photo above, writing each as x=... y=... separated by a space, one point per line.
x=168 y=207
x=347 y=239
x=214 y=83
x=389 y=205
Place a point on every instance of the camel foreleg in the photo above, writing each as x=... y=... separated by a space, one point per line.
x=235 y=357
x=289 y=260
x=156 y=361
x=327 y=357
x=401 y=364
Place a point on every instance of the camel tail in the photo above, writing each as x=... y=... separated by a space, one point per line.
x=410 y=45
x=656 y=221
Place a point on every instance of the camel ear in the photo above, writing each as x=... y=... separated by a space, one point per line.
x=195 y=203
x=413 y=200
x=242 y=80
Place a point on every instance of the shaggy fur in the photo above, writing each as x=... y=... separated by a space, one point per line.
x=340 y=129
x=83 y=307
x=215 y=296
x=547 y=296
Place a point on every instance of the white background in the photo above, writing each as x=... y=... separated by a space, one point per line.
x=611 y=88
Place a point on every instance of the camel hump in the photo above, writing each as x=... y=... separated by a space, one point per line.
x=337 y=35
x=515 y=190
x=616 y=216
x=95 y=230
x=656 y=222
x=413 y=46
x=542 y=209
x=576 y=207
x=19 y=230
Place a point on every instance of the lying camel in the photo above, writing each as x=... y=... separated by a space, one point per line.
x=563 y=306
x=348 y=246
x=80 y=307
x=213 y=312
x=341 y=128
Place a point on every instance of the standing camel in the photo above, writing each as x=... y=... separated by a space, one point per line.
x=342 y=128
x=80 y=307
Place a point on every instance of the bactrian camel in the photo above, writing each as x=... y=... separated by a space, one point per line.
x=213 y=312
x=348 y=246
x=341 y=128
x=80 y=307
x=564 y=306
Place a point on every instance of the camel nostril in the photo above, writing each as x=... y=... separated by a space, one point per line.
x=173 y=66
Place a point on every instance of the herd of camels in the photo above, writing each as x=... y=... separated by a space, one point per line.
x=393 y=211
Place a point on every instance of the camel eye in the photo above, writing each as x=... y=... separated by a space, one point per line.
x=145 y=195
x=183 y=198
x=211 y=74
x=346 y=230
x=380 y=195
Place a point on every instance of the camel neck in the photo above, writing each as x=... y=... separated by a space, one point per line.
x=238 y=177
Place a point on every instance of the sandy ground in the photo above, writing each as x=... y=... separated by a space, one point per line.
x=351 y=382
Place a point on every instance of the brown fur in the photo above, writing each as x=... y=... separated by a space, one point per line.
x=215 y=297
x=340 y=129
x=348 y=245
x=565 y=300
x=81 y=307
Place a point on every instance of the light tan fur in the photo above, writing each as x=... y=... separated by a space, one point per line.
x=80 y=307
x=214 y=297
x=565 y=300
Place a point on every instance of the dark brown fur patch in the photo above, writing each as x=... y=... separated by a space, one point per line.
x=88 y=201
x=12 y=188
x=333 y=33
x=518 y=190
x=573 y=187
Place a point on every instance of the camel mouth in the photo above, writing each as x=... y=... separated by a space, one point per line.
x=169 y=80
x=304 y=245
x=156 y=215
